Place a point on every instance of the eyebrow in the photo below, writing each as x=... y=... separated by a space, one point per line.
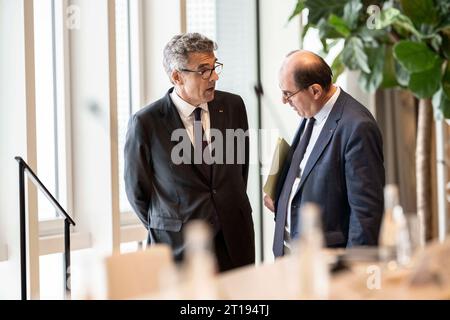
x=206 y=64
x=284 y=91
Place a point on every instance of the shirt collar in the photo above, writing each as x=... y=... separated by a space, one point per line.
x=326 y=109
x=184 y=108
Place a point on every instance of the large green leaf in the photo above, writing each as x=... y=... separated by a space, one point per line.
x=393 y=17
x=387 y=18
x=319 y=9
x=389 y=78
x=442 y=103
x=337 y=67
x=425 y=84
x=328 y=44
x=351 y=13
x=298 y=9
x=414 y=56
x=369 y=82
x=372 y=37
x=353 y=55
x=401 y=74
x=327 y=31
x=339 y=25
x=420 y=11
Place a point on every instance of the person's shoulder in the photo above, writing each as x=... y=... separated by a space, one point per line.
x=228 y=96
x=354 y=111
x=151 y=110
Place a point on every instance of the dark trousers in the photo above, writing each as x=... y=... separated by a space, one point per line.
x=224 y=262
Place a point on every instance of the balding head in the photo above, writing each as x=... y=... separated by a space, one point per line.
x=307 y=69
x=305 y=82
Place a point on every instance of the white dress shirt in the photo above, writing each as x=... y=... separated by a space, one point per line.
x=186 y=112
x=321 y=118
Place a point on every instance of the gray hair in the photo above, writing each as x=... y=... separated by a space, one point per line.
x=176 y=51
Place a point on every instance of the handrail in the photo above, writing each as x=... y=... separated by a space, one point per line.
x=37 y=182
x=24 y=167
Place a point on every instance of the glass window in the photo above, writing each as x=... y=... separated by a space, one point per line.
x=201 y=17
x=128 y=84
x=50 y=107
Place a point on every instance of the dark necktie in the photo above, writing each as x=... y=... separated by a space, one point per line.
x=200 y=141
x=283 y=200
x=199 y=133
x=202 y=157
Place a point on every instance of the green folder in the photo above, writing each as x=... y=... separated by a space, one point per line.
x=279 y=157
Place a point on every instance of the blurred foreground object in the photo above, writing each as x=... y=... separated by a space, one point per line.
x=395 y=240
x=433 y=266
x=200 y=266
x=313 y=268
x=138 y=273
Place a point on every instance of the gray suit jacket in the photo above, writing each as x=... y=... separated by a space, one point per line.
x=165 y=195
x=344 y=175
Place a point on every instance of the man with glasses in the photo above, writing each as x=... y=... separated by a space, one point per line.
x=166 y=194
x=335 y=161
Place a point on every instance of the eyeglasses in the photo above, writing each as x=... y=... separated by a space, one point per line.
x=206 y=73
x=288 y=95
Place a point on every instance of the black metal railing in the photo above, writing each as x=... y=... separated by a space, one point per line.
x=25 y=168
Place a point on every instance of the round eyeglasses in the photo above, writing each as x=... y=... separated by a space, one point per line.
x=206 y=73
x=287 y=95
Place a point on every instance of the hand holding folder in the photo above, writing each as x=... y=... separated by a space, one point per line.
x=279 y=157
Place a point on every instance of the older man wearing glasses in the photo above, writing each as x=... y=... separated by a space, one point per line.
x=167 y=194
x=335 y=161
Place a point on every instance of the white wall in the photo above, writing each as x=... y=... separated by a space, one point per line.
x=94 y=114
x=161 y=23
x=12 y=139
x=277 y=39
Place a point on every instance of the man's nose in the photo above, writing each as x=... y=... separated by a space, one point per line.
x=214 y=76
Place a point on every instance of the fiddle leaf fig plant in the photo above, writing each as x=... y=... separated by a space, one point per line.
x=393 y=43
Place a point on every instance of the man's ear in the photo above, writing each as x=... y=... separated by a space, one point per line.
x=316 y=90
x=176 y=77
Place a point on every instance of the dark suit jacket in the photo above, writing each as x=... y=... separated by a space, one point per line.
x=344 y=175
x=165 y=196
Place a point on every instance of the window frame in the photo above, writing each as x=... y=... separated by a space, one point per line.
x=50 y=227
x=131 y=228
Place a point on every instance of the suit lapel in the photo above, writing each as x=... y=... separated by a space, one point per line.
x=287 y=163
x=217 y=121
x=172 y=120
x=217 y=115
x=324 y=138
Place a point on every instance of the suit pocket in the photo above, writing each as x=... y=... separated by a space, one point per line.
x=164 y=223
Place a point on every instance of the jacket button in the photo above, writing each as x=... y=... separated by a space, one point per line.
x=214 y=191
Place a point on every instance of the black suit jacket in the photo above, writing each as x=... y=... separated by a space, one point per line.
x=165 y=195
x=344 y=175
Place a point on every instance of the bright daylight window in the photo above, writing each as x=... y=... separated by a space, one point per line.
x=50 y=129
x=201 y=17
x=128 y=84
x=50 y=107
